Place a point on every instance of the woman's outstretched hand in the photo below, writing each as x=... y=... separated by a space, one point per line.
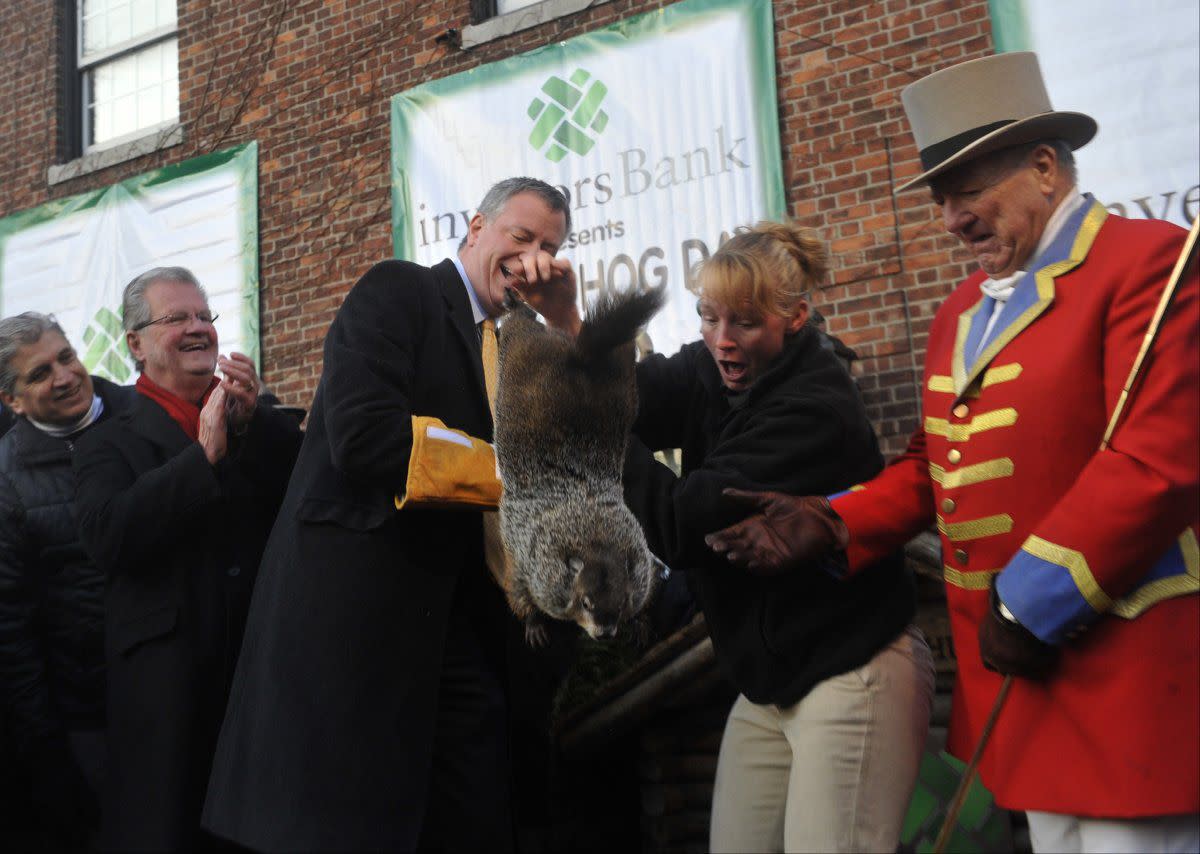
x=783 y=533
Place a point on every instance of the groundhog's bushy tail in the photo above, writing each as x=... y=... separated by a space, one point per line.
x=615 y=320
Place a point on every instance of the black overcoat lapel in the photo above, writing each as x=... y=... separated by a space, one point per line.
x=151 y=422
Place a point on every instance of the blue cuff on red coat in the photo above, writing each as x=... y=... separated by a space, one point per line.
x=1044 y=598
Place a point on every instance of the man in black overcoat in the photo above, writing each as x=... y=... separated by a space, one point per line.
x=51 y=593
x=368 y=710
x=175 y=498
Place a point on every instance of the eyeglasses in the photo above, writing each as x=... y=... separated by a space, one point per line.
x=179 y=318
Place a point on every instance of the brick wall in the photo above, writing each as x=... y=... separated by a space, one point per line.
x=310 y=81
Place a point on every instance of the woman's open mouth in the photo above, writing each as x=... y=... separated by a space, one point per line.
x=732 y=372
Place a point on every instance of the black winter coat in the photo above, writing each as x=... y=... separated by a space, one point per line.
x=180 y=541
x=51 y=593
x=327 y=744
x=801 y=429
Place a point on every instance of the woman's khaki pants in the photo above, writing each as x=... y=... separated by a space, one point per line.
x=834 y=772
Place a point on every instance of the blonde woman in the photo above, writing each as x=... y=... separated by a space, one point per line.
x=822 y=747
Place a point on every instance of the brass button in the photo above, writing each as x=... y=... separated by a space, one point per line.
x=960 y=556
x=955 y=455
x=948 y=505
x=961 y=410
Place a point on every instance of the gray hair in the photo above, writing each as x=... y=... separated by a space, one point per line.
x=1066 y=158
x=1017 y=154
x=135 y=311
x=19 y=331
x=497 y=197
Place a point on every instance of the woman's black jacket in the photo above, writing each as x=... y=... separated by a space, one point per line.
x=801 y=429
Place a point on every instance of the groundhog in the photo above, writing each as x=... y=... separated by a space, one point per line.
x=563 y=414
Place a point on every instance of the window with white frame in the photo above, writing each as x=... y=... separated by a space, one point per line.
x=128 y=62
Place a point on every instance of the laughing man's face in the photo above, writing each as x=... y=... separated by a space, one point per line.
x=52 y=386
x=524 y=225
x=173 y=353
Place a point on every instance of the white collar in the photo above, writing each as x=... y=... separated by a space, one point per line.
x=87 y=420
x=476 y=309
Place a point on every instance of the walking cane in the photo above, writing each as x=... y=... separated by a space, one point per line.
x=1185 y=259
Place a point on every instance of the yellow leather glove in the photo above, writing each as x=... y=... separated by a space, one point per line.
x=449 y=469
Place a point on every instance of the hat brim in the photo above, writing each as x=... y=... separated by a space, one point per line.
x=1077 y=129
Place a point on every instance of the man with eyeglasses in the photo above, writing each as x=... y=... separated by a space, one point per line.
x=176 y=497
x=51 y=593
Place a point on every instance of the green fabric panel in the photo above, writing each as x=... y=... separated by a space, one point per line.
x=1010 y=25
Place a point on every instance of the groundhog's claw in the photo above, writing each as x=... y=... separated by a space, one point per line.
x=536 y=634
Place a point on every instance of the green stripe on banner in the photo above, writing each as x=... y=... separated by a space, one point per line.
x=546 y=125
x=573 y=138
x=109 y=322
x=1010 y=25
x=591 y=103
x=563 y=92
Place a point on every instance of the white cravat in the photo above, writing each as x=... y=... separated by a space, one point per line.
x=1001 y=289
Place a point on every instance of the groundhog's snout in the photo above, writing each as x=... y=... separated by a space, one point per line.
x=599 y=598
x=601 y=632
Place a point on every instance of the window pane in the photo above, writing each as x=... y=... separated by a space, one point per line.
x=101 y=84
x=136 y=91
x=149 y=66
x=149 y=106
x=124 y=115
x=100 y=119
x=170 y=100
x=113 y=23
x=94 y=13
x=145 y=14
x=118 y=23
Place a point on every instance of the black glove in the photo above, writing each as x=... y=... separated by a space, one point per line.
x=1008 y=647
x=786 y=532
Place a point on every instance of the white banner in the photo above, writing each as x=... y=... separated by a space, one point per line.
x=73 y=257
x=1135 y=69
x=663 y=129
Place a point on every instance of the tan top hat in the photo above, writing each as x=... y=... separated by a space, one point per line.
x=984 y=105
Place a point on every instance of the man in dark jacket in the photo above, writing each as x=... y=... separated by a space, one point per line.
x=51 y=594
x=368 y=711
x=175 y=500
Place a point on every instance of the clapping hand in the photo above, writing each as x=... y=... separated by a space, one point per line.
x=213 y=429
x=242 y=387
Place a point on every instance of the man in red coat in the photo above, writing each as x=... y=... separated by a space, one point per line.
x=1071 y=567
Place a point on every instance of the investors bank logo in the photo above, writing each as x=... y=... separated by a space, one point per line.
x=106 y=352
x=568 y=119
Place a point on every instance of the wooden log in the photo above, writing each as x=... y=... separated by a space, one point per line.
x=657 y=657
x=676 y=681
